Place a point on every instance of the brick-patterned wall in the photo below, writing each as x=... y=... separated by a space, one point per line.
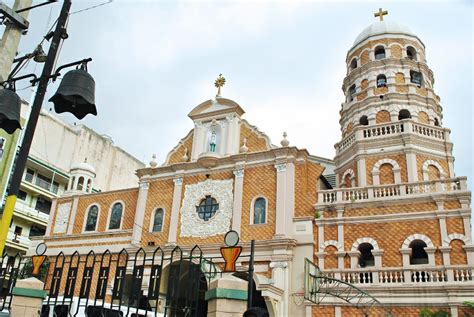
x=330 y=259
x=160 y=195
x=330 y=232
x=399 y=78
x=386 y=210
x=420 y=159
x=396 y=311
x=364 y=84
x=433 y=173
x=423 y=117
x=422 y=91
x=396 y=51
x=306 y=179
x=178 y=154
x=452 y=204
x=364 y=57
x=399 y=158
x=380 y=90
x=255 y=143
x=382 y=116
x=386 y=174
x=347 y=181
x=259 y=181
x=465 y=312
x=457 y=254
x=387 y=42
x=105 y=201
x=402 y=88
x=322 y=311
x=397 y=231
x=349 y=129
x=455 y=225
x=189 y=241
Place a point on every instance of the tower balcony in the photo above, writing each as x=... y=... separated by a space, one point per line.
x=390 y=192
x=384 y=130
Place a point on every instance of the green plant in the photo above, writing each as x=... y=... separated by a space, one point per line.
x=469 y=304
x=317 y=214
x=425 y=312
x=28 y=269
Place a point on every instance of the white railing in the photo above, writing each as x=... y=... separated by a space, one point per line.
x=392 y=128
x=30 y=212
x=397 y=275
x=19 y=240
x=355 y=194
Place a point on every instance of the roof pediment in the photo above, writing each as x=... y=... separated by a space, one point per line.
x=215 y=107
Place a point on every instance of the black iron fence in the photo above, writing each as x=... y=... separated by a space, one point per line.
x=160 y=283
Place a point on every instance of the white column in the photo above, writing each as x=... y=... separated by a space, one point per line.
x=238 y=193
x=280 y=228
x=442 y=228
x=467 y=227
x=178 y=184
x=320 y=235
x=411 y=167
x=361 y=173
x=354 y=255
x=290 y=198
x=140 y=213
x=72 y=218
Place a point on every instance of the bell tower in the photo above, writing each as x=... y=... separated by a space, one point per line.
x=391 y=119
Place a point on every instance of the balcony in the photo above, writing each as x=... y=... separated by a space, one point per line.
x=388 y=192
x=30 y=214
x=391 y=276
x=17 y=241
x=372 y=132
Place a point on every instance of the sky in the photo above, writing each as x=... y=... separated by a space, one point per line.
x=284 y=63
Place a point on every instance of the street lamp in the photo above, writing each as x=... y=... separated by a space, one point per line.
x=75 y=95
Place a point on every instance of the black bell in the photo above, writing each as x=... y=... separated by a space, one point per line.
x=10 y=105
x=76 y=94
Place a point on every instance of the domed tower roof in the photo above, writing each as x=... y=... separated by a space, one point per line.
x=383 y=27
x=83 y=166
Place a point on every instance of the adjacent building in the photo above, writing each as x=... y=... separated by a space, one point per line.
x=64 y=159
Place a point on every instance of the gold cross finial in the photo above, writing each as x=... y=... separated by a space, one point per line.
x=220 y=81
x=380 y=14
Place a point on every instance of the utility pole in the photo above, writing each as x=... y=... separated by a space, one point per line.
x=11 y=39
x=58 y=35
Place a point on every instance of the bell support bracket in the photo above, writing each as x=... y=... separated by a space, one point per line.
x=11 y=81
x=81 y=62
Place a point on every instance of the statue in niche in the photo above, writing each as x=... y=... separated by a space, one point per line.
x=212 y=143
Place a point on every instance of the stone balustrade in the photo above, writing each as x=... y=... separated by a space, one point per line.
x=406 y=126
x=398 y=275
x=370 y=193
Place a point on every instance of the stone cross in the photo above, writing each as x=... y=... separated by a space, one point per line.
x=380 y=14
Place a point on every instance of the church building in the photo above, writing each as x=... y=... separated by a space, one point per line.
x=393 y=227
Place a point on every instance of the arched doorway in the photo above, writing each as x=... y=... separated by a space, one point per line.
x=257 y=299
x=183 y=288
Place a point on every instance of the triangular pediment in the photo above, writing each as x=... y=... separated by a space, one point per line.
x=215 y=107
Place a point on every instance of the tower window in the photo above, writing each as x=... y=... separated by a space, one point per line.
x=158 y=220
x=80 y=183
x=207 y=208
x=366 y=258
x=404 y=114
x=364 y=120
x=354 y=63
x=379 y=52
x=436 y=122
x=43 y=205
x=2 y=145
x=411 y=53
x=418 y=253
x=352 y=92
x=91 y=220
x=416 y=78
x=381 y=81
x=116 y=216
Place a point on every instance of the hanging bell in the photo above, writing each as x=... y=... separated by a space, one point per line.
x=10 y=105
x=76 y=94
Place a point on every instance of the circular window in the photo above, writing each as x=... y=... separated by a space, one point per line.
x=207 y=208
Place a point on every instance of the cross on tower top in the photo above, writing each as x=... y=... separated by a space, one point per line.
x=380 y=14
x=220 y=81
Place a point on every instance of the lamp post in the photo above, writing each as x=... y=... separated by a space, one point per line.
x=71 y=101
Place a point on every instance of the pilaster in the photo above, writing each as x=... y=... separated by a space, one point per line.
x=361 y=173
x=354 y=255
x=285 y=199
x=72 y=218
x=238 y=194
x=178 y=184
x=411 y=167
x=140 y=213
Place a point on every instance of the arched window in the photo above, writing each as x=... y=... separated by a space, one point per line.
x=354 y=63
x=116 y=216
x=411 y=52
x=366 y=258
x=379 y=52
x=436 y=122
x=381 y=80
x=364 y=120
x=386 y=174
x=418 y=253
x=158 y=220
x=91 y=220
x=259 y=211
x=207 y=208
x=89 y=185
x=416 y=78
x=352 y=92
x=404 y=114
x=80 y=183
